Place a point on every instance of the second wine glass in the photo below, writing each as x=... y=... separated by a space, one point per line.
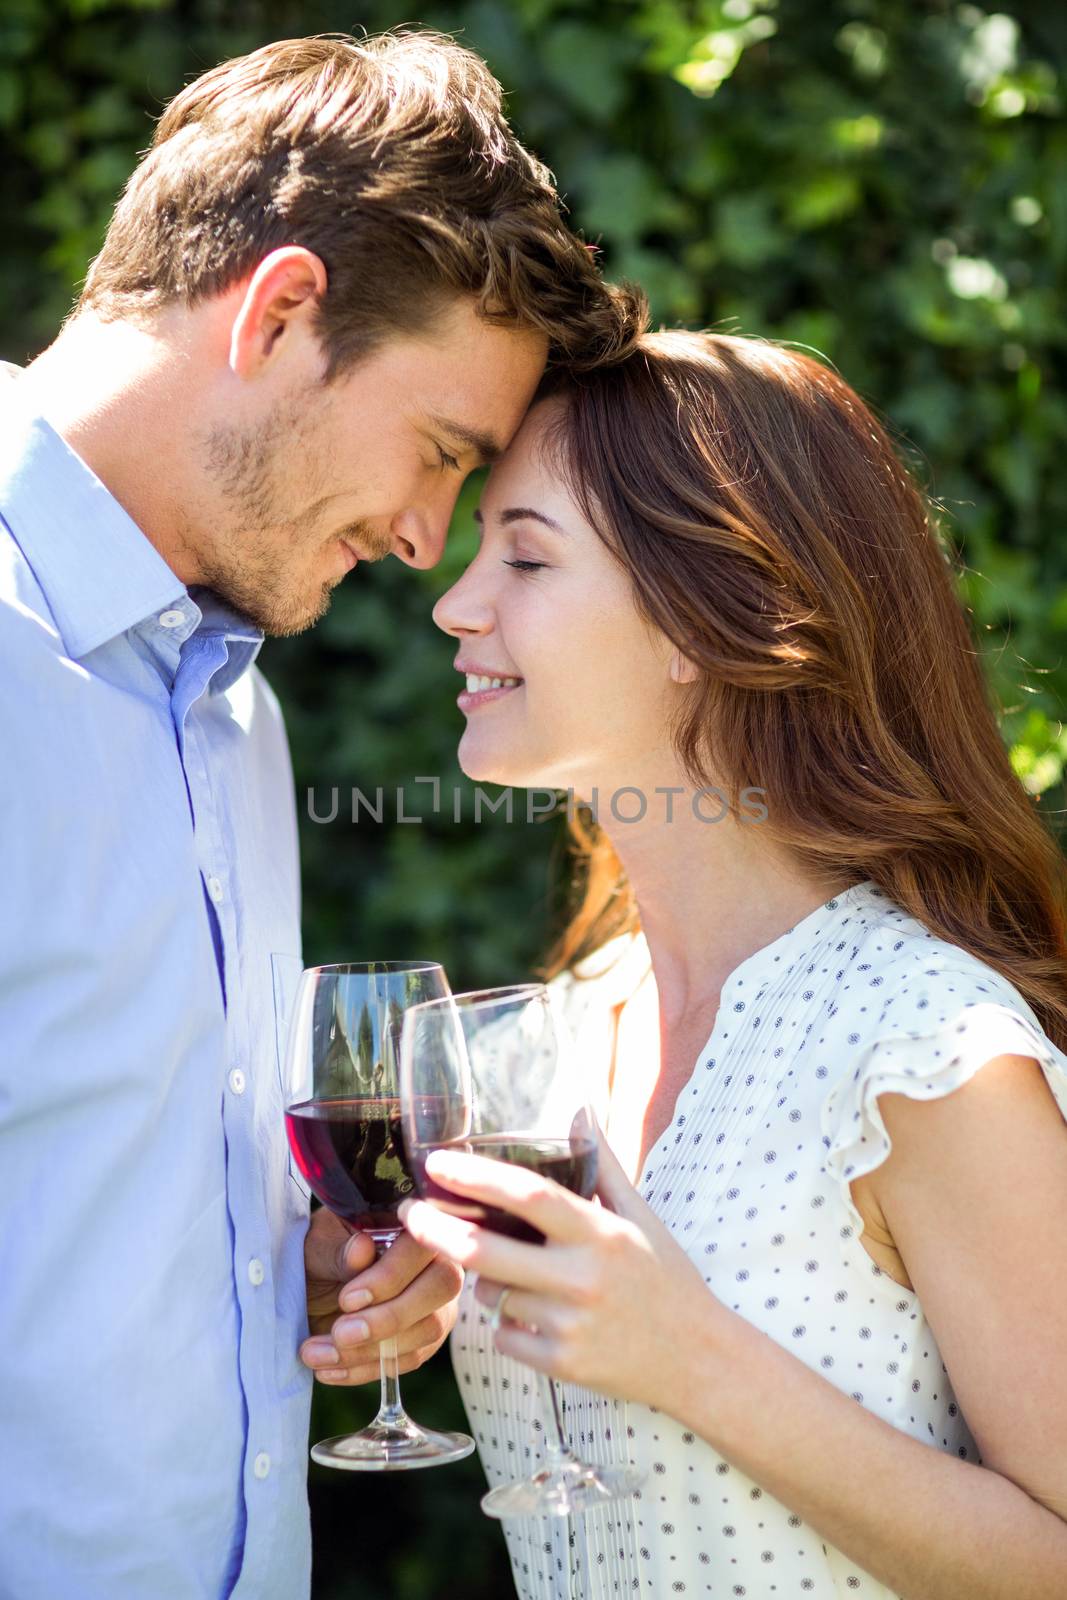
x=492 y=1073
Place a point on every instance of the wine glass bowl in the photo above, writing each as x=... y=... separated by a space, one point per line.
x=454 y=1107
x=571 y=1162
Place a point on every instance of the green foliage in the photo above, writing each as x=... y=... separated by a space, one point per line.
x=879 y=179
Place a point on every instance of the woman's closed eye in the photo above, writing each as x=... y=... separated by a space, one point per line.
x=527 y=566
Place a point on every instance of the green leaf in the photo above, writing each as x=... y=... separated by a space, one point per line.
x=623 y=199
x=823 y=199
x=588 y=65
x=746 y=231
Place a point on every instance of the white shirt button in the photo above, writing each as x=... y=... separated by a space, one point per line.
x=255 y=1272
x=237 y=1081
x=171 y=619
x=261 y=1465
x=215 y=889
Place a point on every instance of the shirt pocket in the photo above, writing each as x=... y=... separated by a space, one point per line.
x=286 y=970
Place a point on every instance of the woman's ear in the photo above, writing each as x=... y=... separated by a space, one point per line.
x=682 y=669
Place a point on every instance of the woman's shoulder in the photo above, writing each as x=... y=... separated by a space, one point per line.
x=905 y=976
x=920 y=1018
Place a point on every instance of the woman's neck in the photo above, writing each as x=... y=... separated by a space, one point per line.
x=709 y=896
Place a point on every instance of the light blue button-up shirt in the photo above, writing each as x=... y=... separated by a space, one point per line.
x=153 y=1409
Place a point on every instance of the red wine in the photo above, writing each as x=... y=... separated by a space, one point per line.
x=352 y=1154
x=570 y=1162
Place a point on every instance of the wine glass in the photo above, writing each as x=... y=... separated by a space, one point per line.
x=493 y=1073
x=343 y=1121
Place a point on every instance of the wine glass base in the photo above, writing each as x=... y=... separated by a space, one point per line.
x=562 y=1491
x=386 y=1447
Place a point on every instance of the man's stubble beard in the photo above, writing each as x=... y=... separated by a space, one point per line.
x=248 y=564
x=258 y=590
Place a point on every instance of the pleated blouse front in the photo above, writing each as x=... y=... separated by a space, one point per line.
x=752 y=1178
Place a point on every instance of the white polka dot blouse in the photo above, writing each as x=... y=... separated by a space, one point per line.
x=752 y=1177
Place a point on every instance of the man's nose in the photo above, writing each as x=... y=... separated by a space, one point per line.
x=419 y=534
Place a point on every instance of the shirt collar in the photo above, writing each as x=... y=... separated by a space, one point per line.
x=100 y=575
x=243 y=640
x=98 y=572
x=624 y=962
x=618 y=967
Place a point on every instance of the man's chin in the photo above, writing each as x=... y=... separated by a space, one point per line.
x=283 y=622
x=275 y=617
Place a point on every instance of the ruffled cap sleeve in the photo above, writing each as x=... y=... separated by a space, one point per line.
x=924 y=1063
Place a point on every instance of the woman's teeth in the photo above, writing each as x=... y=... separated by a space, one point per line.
x=478 y=685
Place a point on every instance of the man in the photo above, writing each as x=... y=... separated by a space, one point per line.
x=327 y=293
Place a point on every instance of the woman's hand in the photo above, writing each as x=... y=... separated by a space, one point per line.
x=609 y=1300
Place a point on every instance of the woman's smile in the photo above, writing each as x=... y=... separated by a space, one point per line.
x=484 y=686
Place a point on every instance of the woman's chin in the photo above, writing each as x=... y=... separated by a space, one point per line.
x=486 y=766
x=498 y=776
x=480 y=768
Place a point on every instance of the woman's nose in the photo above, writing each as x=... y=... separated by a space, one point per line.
x=462 y=611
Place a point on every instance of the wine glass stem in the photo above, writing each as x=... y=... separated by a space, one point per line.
x=391 y=1409
x=391 y=1412
x=557 y=1450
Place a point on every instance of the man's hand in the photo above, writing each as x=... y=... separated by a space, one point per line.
x=409 y=1294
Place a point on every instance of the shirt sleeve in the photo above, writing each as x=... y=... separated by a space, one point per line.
x=924 y=1062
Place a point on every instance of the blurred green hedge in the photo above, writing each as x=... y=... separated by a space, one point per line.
x=879 y=179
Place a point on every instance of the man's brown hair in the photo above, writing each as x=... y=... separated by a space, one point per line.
x=389 y=158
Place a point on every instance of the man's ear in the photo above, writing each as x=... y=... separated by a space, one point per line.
x=280 y=295
x=682 y=669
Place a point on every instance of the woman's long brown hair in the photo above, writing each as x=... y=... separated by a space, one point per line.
x=770 y=532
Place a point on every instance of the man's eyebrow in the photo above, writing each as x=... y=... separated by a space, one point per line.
x=524 y=514
x=471 y=438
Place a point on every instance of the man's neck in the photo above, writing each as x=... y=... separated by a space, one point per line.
x=113 y=391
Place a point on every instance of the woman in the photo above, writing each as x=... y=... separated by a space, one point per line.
x=825 y=1302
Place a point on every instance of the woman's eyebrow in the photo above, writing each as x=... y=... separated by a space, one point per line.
x=524 y=514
